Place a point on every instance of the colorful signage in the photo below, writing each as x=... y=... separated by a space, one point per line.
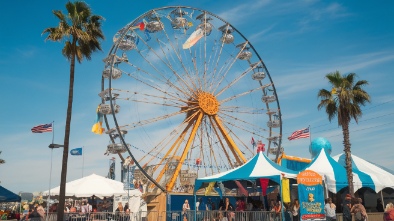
x=311 y=196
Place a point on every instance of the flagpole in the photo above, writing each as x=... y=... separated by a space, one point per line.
x=83 y=159
x=310 y=134
x=50 y=171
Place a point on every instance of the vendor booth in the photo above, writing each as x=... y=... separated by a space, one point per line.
x=257 y=167
x=8 y=196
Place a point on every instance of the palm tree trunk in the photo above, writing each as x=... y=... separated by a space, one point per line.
x=348 y=160
x=63 y=179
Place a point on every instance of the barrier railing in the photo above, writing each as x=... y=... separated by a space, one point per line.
x=218 y=215
x=170 y=216
x=215 y=215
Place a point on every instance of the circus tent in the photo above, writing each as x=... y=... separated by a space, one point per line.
x=369 y=174
x=257 y=167
x=333 y=173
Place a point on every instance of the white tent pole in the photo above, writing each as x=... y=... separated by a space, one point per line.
x=325 y=187
x=381 y=196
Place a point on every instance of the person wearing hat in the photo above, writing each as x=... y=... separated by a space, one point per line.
x=347 y=216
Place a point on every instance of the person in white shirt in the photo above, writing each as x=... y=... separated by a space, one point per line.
x=329 y=208
x=186 y=209
x=89 y=207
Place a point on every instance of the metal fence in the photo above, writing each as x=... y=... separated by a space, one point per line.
x=171 y=216
x=222 y=216
x=188 y=216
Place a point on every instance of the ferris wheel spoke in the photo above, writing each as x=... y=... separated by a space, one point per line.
x=174 y=133
x=173 y=99
x=203 y=86
x=221 y=142
x=218 y=77
x=165 y=80
x=178 y=56
x=242 y=94
x=161 y=90
x=241 y=110
x=229 y=68
x=240 y=121
x=163 y=144
x=236 y=80
x=210 y=148
x=161 y=59
x=230 y=142
x=173 y=149
x=219 y=56
x=243 y=143
x=145 y=100
x=156 y=119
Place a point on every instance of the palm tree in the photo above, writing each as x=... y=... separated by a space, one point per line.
x=344 y=101
x=81 y=32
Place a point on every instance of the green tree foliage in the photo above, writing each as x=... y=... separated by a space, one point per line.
x=80 y=31
x=344 y=101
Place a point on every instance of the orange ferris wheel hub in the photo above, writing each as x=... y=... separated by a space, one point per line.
x=208 y=103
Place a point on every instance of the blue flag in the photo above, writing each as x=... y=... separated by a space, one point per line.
x=76 y=151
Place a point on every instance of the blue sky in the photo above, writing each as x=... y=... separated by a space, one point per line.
x=299 y=41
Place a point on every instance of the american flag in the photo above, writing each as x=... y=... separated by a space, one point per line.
x=303 y=133
x=42 y=128
x=252 y=142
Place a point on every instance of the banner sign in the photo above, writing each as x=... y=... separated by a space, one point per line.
x=311 y=196
x=128 y=178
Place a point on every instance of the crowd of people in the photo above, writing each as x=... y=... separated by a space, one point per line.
x=32 y=212
x=226 y=211
x=352 y=209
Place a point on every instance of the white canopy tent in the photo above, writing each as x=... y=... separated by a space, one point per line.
x=89 y=186
x=377 y=176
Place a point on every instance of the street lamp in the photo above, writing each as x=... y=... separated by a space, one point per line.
x=52 y=146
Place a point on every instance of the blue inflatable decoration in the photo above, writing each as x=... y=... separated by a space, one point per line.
x=317 y=144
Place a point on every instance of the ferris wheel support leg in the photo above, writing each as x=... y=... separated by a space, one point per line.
x=233 y=147
x=176 y=143
x=197 y=123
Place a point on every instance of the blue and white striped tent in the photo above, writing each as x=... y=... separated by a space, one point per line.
x=257 y=167
x=333 y=173
x=367 y=174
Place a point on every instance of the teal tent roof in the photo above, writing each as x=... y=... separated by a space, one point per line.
x=8 y=196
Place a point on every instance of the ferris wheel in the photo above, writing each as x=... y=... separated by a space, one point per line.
x=183 y=92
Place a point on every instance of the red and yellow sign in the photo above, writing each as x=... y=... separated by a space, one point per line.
x=309 y=178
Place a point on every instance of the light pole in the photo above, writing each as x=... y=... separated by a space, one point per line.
x=52 y=146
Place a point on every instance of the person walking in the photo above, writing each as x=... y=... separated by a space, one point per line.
x=330 y=208
x=360 y=214
x=347 y=216
x=295 y=210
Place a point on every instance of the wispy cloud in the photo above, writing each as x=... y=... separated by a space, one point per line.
x=308 y=76
x=238 y=13
x=317 y=13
